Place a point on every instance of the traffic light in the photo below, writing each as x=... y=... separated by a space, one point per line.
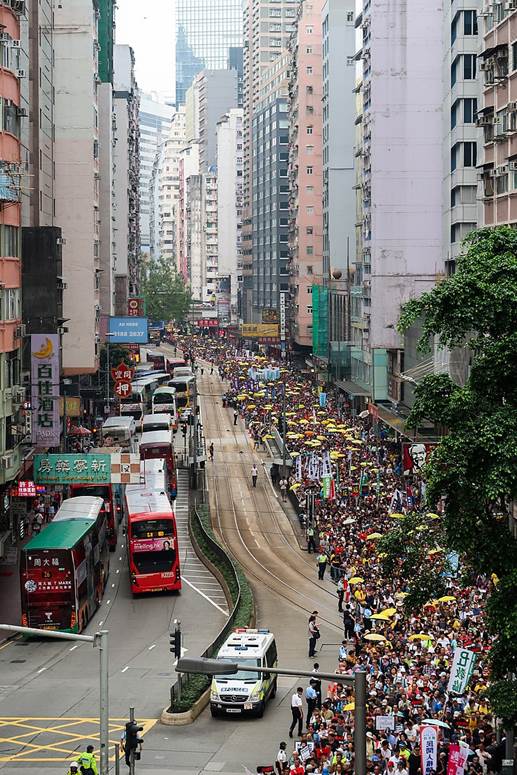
x=184 y=430
x=175 y=641
x=132 y=742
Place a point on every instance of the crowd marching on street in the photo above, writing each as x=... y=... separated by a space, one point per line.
x=413 y=660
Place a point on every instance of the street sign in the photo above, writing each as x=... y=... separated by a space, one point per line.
x=135 y=307
x=72 y=469
x=122 y=372
x=128 y=330
x=123 y=388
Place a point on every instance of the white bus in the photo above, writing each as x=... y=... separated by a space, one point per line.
x=119 y=432
x=164 y=401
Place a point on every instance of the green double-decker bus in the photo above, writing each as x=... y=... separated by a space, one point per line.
x=64 y=568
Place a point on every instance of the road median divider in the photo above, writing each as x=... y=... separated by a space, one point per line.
x=191 y=693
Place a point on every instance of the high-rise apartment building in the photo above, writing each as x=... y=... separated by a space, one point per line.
x=208 y=37
x=11 y=176
x=168 y=189
x=155 y=119
x=498 y=116
x=267 y=26
x=305 y=168
x=126 y=180
x=212 y=94
x=229 y=203
x=401 y=186
x=77 y=177
x=270 y=192
x=188 y=166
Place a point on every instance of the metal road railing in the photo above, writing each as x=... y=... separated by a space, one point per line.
x=211 y=650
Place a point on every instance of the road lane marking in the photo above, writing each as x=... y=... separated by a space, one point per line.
x=205 y=596
x=74 y=647
x=124 y=669
x=152 y=647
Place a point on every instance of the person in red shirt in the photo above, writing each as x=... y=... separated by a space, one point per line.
x=297 y=768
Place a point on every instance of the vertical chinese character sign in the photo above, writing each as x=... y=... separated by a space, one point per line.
x=462 y=667
x=46 y=429
x=428 y=749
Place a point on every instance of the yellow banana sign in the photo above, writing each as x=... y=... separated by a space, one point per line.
x=46 y=351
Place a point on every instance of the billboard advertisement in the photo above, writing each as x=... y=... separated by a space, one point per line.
x=128 y=330
x=255 y=330
x=416 y=455
x=46 y=427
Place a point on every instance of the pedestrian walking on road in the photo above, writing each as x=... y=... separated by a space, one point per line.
x=254 y=474
x=235 y=416
x=283 y=488
x=211 y=369
x=87 y=763
x=211 y=451
x=314 y=633
x=322 y=564
x=297 y=712
x=348 y=624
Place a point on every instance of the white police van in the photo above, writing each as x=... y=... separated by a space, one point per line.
x=245 y=692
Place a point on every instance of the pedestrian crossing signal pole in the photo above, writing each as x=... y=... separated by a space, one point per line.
x=175 y=648
x=133 y=742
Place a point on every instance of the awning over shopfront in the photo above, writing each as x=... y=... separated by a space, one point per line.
x=352 y=388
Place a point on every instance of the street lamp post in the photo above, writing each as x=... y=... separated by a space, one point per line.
x=100 y=639
x=358 y=681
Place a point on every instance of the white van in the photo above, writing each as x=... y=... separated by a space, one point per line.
x=245 y=692
x=119 y=432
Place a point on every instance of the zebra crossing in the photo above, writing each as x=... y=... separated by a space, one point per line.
x=193 y=572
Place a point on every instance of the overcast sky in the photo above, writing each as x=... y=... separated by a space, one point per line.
x=149 y=28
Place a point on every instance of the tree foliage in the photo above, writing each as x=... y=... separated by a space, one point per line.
x=165 y=293
x=475 y=466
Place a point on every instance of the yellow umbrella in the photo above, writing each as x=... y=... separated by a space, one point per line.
x=375 y=636
x=350 y=706
x=321 y=438
x=401 y=595
x=421 y=636
x=303 y=422
x=382 y=617
x=268 y=406
x=373 y=536
x=294 y=454
x=353 y=468
x=431 y=515
x=241 y=397
x=435 y=551
x=356 y=580
x=364 y=464
x=446 y=599
x=290 y=414
x=397 y=516
x=390 y=611
x=268 y=436
x=295 y=486
x=251 y=406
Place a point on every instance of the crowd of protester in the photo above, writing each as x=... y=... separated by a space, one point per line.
x=407 y=657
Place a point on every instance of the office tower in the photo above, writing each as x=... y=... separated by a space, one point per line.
x=212 y=94
x=229 y=203
x=155 y=119
x=76 y=183
x=402 y=140
x=126 y=180
x=305 y=168
x=267 y=27
x=270 y=192
x=207 y=34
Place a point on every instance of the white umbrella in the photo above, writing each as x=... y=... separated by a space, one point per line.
x=435 y=722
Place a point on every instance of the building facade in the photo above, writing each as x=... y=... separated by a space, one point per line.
x=229 y=203
x=305 y=168
x=498 y=117
x=208 y=33
x=400 y=185
x=12 y=177
x=126 y=179
x=154 y=121
x=169 y=188
x=267 y=27
x=270 y=192
x=77 y=178
x=188 y=166
x=212 y=94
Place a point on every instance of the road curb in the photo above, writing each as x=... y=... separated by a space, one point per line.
x=189 y=716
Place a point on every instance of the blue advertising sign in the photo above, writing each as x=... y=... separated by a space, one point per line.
x=128 y=330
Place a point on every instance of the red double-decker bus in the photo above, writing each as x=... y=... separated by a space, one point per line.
x=152 y=539
x=111 y=508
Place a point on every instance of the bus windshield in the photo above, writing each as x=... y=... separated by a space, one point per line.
x=241 y=675
x=163 y=398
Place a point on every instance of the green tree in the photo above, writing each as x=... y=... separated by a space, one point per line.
x=165 y=293
x=474 y=468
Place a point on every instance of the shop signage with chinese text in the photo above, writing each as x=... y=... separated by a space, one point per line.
x=255 y=330
x=135 y=307
x=72 y=469
x=46 y=428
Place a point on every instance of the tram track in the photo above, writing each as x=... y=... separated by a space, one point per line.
x=275 y=567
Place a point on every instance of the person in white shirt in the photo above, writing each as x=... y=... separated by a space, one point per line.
x=297 y=711
x=281 y=758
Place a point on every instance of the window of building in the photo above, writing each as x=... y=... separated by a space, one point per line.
x=470 y=109
x=454 y=157
x=454 y=71
x=501 y=184
x=454 y=114
x=514 y=56
x=309 y=189
x=308 y=50
x=309 y=30
x=309 y=289
x=470 y=23
x=310 y=269
x=309 y=310
x=309 y=210
x=309 y=70
x=310 y=90
x=310 y=250
x=469 y=66
x=309 y=130
x=460 y=230
x=309 y=170
x=309 y=230
x=469 y=154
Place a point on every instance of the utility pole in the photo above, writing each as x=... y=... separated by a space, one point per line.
x=284 y=423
